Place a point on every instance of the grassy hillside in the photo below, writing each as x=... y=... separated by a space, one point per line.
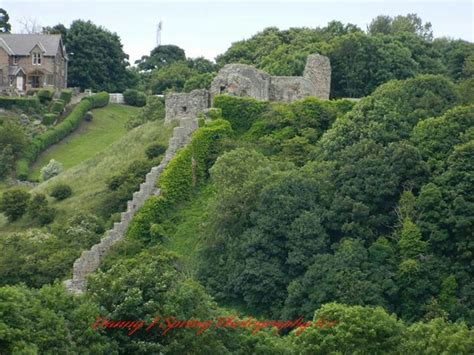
x=88 y=179
x=90 y=138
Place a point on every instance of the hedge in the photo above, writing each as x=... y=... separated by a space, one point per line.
x=55 y=134
x=134 y=97
x=23 y=103
x=239 y=111
x=98 y=100
x=181 y=174
x=49 y=118
x=66 y=95
x=58 y=106
x=45 y=95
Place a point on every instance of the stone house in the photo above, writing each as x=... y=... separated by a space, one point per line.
x=30 y=61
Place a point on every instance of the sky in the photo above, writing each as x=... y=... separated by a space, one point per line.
x=208 y=28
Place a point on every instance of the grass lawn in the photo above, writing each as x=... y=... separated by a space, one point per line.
x=90 y=138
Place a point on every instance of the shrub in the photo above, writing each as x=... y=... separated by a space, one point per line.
x=24 y=103
x=14 y=203
x=52 y=169
x=22 y=168
x=57 y=106
x=6 y=161
x=98 y=100
x=155 y=150
x=66 y=95
x=49 y=118
x=88 y=117
x=38 y=210
x=240 y=112
x=154 y=110
x=61 y=192
x=134 y=97
x=45 y=95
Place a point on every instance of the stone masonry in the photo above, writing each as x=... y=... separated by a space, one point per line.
x=246 y=81
x=90 y=260
x=186 y=105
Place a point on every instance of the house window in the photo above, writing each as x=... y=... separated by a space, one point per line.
x=184 y=109
x=36 y=58
x=15 y=60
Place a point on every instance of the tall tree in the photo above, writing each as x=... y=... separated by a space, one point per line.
x=4 y=24
x=96 y=58
x=160 y=57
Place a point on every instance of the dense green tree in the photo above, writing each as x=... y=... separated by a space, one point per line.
x=13 y=135
x=4 y=21
x=48 y=320
x=96 y=58
x=360 y=63
x=14 y=203
x=160 y=57
x=356 y=329
x=436 y=137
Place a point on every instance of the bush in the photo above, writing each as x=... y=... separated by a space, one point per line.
x=6 y=161
x=155 y=150
x=61 y=192
x=49 y=118
x=38 y=210
x=240 y=112
x=154 y=110
x=45 y=95
x=98 y=100
x=24 y=103
x=134 y=97
x=22 y=168
x=88 y=117
x=57 y=106
x=14 y=203
x=66 y=95
x=52 y=169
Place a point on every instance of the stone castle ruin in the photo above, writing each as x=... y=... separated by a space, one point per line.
x=246 y=81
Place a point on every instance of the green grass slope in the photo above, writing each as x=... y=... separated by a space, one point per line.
x=88 y=179
x=107 y=126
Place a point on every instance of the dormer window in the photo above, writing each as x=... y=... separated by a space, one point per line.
x=36 y=56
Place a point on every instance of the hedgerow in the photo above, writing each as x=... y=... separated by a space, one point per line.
x=55 y=134
x=24 y=103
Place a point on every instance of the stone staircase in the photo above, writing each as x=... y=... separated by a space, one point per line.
x=90 y=260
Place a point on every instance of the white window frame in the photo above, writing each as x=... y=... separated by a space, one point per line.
x=36 y=58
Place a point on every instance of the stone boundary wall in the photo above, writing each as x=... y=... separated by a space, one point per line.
x=116 y=99
x=90 y=260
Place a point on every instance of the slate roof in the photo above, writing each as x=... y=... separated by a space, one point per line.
x=22 y=44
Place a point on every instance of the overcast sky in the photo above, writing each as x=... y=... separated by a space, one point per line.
x=207 y=28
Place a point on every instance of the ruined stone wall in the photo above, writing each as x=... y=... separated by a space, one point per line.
x=290 y=88
x=90 y=260
x=241 y=80
x=318 y=71
x=186 y=105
